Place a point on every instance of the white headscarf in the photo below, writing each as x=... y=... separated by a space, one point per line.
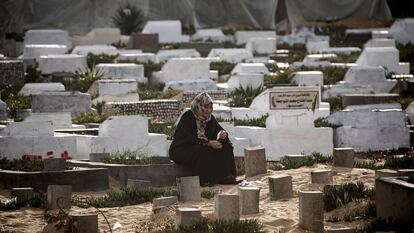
x=202 y=116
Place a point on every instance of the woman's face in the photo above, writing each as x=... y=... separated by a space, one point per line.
x=208 y=108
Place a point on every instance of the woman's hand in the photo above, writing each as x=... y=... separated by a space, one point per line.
x=222 y=134
x=215 y=144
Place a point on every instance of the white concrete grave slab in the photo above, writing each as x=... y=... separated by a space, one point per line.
x=123 y=71
x=169 y=31
x=138 y=57
x=262 y=45
x=245 y=80
x=34 y=51
x=129 y=51
x=340 y=50
x=308 y=78
x=69 y=63
x=112 y=137
x=231 y=55
x=60 y=120
x=315 y=46
x=117 y=90
x=402 y=30
x=214 y=35
x=47 y=36
x=30 y=129
x=387 y=57
x=94 y=49
x=37 y=88
x=301 y=35
x=370 y=129
x=380 y=43
x=167 y=54
x=242 y=37
x=259 y=68
x=191 y=85
x=98 y=36
x=179 y=69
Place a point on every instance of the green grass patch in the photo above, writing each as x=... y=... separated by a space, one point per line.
x=21 y=165
x=337 y=196
x=222 y=67
x=243 y=97
x=130 y=195
x=322 y=122
x=128 y=157
x=259 y=122
x=155 y=91
x=89 y=118
x=366 y=211
x=94 y=59
x=391 y=162
x=286 y=163
x=38 y=200
x=208 y=194
x=167 y=128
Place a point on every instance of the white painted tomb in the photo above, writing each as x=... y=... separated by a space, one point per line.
x=231 y=55
x=69 y=63
x=169 y=31
x=47 y=36
x=123 y=71
x=37 y=88
x=98 y=36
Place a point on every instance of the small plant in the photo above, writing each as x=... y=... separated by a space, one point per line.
x=336 y=196
x=243 y=97
x=407 y=54
x=10 y=95
x=335 y=103
x=83 y=80
x=27 y=164
x=280 y=78
x=89 y=118
x=286 y=163
x=259 y=122
x=128 y=18
x=128 y=157
x=322 y=122
x=208 y=194
x=155 y=91
x=167 y=128
x=130 y=195
x=362 y=212
x=33 y=74
x=94 y=59
x=272 y=67
x=222 y=67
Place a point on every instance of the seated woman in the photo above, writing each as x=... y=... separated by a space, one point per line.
x=202 y=145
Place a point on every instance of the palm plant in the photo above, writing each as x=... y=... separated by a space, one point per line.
x=243 y=97
x=128 y=18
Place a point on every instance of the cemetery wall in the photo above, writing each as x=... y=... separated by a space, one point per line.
x=159 y=109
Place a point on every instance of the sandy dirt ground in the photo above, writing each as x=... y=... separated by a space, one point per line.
x=276 y=216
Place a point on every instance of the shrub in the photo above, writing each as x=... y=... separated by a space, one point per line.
x=83 y=80
x=272 y=67
x=89 y=118
x=155 y=91
x=93 y=59
x=33 y=74
x=280 y=78
x=242 y=97
x=407 y=54
x=223 y=67
x=128 y=18
x=130 y=157
x=21 y=165
x=130 y=195
x=335 y=103
x=285 y=163
x=260 y=122
x=362 y=212
x=167 y=128
x=10 y=95
x=336 y=196
x=208 y=194
x=322 y=122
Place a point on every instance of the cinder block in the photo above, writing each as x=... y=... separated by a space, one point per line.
x=311 y=211
x=59 y=196
x=321 y=177
x=226 y=207
x=186 y=216
x=84 y=223
x=343 y=157
x=189 y=188
x=249 y=200
x=255 y=161
x=280 y=187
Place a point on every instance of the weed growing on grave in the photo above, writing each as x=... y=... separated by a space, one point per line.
x=155 y=91
x=128 y=157
x=83 y=80
x=404 y=102
x=33 y=74
x=130 y=195
x=272 y=67
x=362 y=212
x=391 y=162
x=219 y=226
x=38 y=200
x=89 y=118
x=259 y=122
x=128 y=18
x=10 y=95
x=285 y=163
x=167 y=128
x=243 y=97
x=95 y=59
x=345 y=58
x=337 y=196
x=331 y=75
x=335 y=103
x=296 y=52
x=407 y=54
x=208 y=194
x=322 y=122
x=21 y=165
x=282 y=78
x=222 y=67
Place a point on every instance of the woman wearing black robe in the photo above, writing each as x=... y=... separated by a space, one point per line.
x=202 y=145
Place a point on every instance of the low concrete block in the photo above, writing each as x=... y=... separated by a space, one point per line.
x=164 y=201
x=22 y=193
x=226 y=207
x=359 y=99
x=141 y=183
x=249 y=200
x=340 y=230
x=280 y=187
x=311 y=211
x=59 y=196
x=343 y=157
x=255 y=161
x=385 y=173
x=187 y=216
x=189 y=188
x=54 y=164
x=84 y=223
x=321 y=177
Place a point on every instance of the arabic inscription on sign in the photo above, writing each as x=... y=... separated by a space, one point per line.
x=294 y=100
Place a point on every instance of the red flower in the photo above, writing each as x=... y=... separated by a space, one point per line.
x=24 y=157
x=65 y=152
x=69 y=157
x=49 y=153
x=39 y=157
x=62 y=155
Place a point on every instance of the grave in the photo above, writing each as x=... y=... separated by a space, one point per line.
x=311 y=211
x=187 y=216
x=189 y=188
x=343 y=157
x=340 y=50
x=255 y=68
x=301 y=35
x=59 y=196
x=340 y=230
x=238 y=143
x=388 y=57
x=164 y=201
x=244 y=80
x=34 y=51
x=137 y=57
x=242 y=37
x=255 y=161
x=393 y=201
x=321 y=177
x=385 y=173
x=3 y=111
x=316 y=46
x=262 y=45
x=203 y=48
x=191 y=85
x=167 y=54
x=11 y=72
x=231 y=55
x=169 y=31
x=280 y=187
x=97 y=157
x=60 y=120
x=358 y=35
x=380 y=43
x=123 y=71
x=95 y=50
x=226 y=207
x=410 y=112
x=47 y=36
x=112 y=138
x=290 y=124
x=37 y=88
x=98 y=36
x=402 y=31
x=54 y=164
x=370 y=128
x=368 y=99
x=308 y=78
x=179 y=69
x=249 y=200
x=117 y=90
x=67 y=63
x=207 y=35
x=74 y=102
x=147 y=42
